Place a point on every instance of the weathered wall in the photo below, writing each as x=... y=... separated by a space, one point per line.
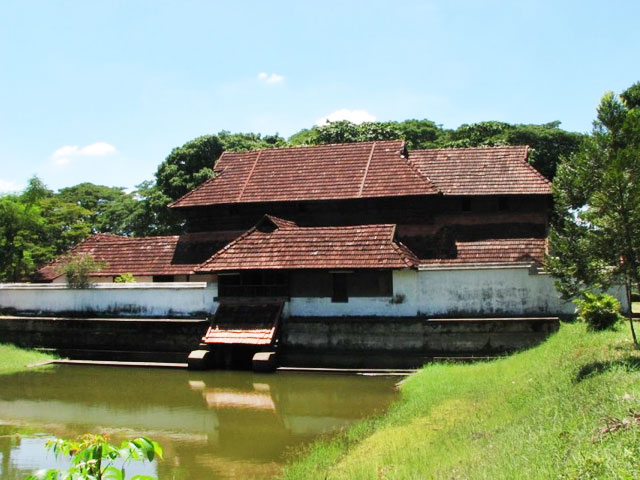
x=403 y=342
x=132 y=299
x=107 y=338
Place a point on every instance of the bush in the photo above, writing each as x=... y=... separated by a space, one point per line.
x=599 y=311
x=78 y=267
x=93 y=458
x=125 y=278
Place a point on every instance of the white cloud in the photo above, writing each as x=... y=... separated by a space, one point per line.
x=272 y=79
x=63 y=155
x=9 y=186
x=354 y=116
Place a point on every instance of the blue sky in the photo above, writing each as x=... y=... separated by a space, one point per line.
x=101 y=91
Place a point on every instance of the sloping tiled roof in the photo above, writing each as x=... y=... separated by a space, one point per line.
x=324 y=172
x=161 y=255
x=480 y=171
x=279 y=244
x=503 y=250
x=244 y=324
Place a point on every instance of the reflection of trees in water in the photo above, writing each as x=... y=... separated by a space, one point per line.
x=210 y=424
x=7 y=443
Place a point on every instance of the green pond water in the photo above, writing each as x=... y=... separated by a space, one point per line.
x=210 y=424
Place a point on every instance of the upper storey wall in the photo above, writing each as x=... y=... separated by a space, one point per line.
x=413 y=215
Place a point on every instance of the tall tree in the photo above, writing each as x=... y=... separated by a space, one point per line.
x=188 y=166
x=595 y=239
x=35 y=226
x=110 y=207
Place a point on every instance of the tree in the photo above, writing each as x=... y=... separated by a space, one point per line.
x=549 y=143
x=188 y=166
x=595 y=238
x=109 y=208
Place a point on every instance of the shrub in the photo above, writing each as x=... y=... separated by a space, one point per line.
x=125 y=278
x=599 y=311
x=93 y=458
x=78 y=267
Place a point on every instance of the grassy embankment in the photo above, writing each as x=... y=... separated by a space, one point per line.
x=14 y=359
x=569 y=409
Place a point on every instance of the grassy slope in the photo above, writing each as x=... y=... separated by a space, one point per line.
x=14 y=359
x=536 y=414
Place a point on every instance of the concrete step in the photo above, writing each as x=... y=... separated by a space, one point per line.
x=119 y=355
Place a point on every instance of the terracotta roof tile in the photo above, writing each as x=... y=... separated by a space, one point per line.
x=324 y=172
x=160 y=255
x=277 y=244
x=504 y=250
x=244 y=324
x=481 y=171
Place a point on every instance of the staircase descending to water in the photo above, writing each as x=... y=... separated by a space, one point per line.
x=241 y=335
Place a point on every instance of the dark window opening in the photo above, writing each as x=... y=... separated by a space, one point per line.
x=466 y=204
x=503 y=204
x=163 y=278
x=339 y=293
x=254 y=283
x=302 y=207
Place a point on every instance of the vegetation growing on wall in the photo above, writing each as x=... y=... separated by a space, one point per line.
x=77 y=269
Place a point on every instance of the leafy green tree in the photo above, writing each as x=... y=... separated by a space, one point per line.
x=94 y=458
x=35 y=226
x=595 y=239
x=249 y=141
x=110 y=208
x=188 y=166
x=420 y=134
x=549 y=143
x=20 y=246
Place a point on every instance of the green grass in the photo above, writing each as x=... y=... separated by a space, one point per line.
x=537 y=414
x=14 y=359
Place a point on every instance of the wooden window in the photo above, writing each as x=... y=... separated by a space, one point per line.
x=340 y=293
x=254 y=283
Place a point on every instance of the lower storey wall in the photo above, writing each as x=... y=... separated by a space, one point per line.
x=403 y=342
x=354 y=342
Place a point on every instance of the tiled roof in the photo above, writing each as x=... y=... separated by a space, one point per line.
x=279 y=244
x=480 y=171
x=161 y=255
x=504 y=250
x=253 y=324
x=324 y=172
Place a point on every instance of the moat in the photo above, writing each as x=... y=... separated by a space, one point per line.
x=216 y=424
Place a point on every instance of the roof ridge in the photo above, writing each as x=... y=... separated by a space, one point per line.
x=207 y=181
x=253 y=168
x=477 y=147
x=531 y=167
x=227 y=247
x=366 y=170
x=420 y=175
x=192 y=191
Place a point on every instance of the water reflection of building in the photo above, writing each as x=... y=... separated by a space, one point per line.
x=210 y=425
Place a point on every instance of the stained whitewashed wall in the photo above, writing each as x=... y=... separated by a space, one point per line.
x=463 y=292
x=126 y=299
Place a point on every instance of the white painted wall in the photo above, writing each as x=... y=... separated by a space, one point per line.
x=450 y=292
x=135 y=299
x=457 y=291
